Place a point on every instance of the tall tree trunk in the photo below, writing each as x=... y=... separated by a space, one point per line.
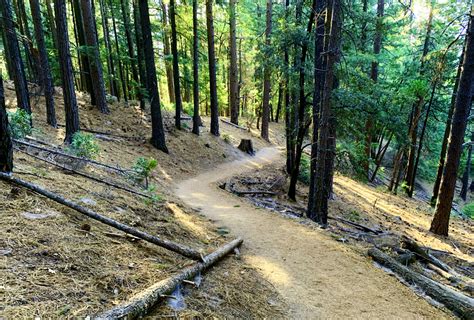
x=140 y=53
x=212 y=69
x=45 y=70
x=332 y=31
x=267 y=74
x=31 y=54
x=416 y=114
x=233 y=79
x=67 y=73
x=52 y=23
x=158 y=131
x=94 y=59
x=467 y=172
x=6 y=52
x=110 y=61
x=19 y=79
x=303 y=124
x=440 y=223
x=278 y=110
x=117 y=54
x=174 y=51
x=447 y=130
x=288 y=118
x=374 y=74
x=85 y=60
x=196 y=117
x=128 y=34
x=6 y=147
x=167 y=52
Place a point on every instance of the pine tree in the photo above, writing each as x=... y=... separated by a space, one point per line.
x=212 y=69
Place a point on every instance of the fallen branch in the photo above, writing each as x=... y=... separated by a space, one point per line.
x=58 y=152
x=423 y=254
x=453 y=300
x=253 y=192
x=172 y=246
x=107 y=183
x=142 y=303
x=234 y=125
x=356 y=225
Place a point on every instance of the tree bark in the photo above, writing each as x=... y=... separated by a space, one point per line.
x=167 y=52
x=233 y=79
x=196 y=116
x=212 y=69
x=110 y=61
x=128 y=35
x=139 y=305
x=440 y=223
x=67 y=73
x=267 y=73
x=467 y=172
x=95 y=64
x=6 y=147
x=174 y=51
x=19 y=78
x=158 y=132
x=453 y=300
x=117 y=55
x=332 y=31
x=45 y=70
x=447 y=130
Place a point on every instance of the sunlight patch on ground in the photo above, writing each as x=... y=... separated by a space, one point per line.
x=270 y=270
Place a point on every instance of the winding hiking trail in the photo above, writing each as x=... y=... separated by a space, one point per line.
x=317 y=276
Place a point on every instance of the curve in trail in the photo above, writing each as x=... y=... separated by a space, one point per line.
x=317 y=276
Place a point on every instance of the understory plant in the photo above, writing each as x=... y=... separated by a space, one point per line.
x=84 y=145
x=20 y=123
x=143 y=168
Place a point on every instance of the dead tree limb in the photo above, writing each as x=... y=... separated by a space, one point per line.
x=423 y=254
x=234 y=125
x=142 y=303
x=85 y=175
x=356 y=225
x=61 y=153
x=172 y=246
x=253 y=192
x=455 y=301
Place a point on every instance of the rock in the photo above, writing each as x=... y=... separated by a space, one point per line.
x=6 y=252
x=89 y=201
x=38 y=216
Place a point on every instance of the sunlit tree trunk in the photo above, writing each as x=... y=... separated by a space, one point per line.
x=196 y=117
x=440 y=223
x=233 y=79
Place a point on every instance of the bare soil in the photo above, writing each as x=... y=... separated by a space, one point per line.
x=317 y=276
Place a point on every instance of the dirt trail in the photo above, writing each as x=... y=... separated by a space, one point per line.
x=317 y=276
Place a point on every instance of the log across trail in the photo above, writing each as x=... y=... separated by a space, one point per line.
x=317 y=276
x=172 y=246
x=142 y=303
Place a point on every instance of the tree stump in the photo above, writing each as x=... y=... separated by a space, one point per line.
x=247 y=146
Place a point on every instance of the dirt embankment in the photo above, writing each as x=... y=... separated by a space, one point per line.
x=57 y=263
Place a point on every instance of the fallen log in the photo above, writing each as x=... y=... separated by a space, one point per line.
x=172 y=246
x=142 y=303
x=58 y=152
x=85 y=175
x=254 y=192
x=356 y=225
x=234 y=125
x=423 y=254
x=455 y=301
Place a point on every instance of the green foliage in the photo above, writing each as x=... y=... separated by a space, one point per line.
x=143 y=168
x=20 y=123
x=84 y=145
x=305 y=169
x=154 y=197
x=468 y=210
x=227 y=137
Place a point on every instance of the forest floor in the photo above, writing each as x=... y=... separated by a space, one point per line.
x=57 y=263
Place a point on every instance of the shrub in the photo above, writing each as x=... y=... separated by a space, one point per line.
x=305 y=169
x=20 y=123
x=469 y=210
x=84 y=145
x=143 y=168
x=154 y=197
x=227 y=137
